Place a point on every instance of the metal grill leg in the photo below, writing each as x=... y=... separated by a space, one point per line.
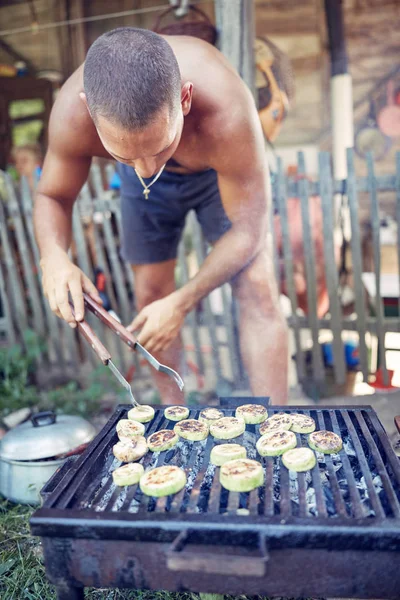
x=69 y=592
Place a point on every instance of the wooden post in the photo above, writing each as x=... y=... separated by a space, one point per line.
x=236 y=33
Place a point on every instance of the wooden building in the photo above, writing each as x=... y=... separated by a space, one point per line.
x=28 y=32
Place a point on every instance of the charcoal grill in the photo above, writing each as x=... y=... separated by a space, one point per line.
x=332 y=532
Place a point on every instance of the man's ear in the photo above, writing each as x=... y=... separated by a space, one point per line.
x=82 y=96
x=186 y=97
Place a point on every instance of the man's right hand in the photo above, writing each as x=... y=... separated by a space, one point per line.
x=60 y=277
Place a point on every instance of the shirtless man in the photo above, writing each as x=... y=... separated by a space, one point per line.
x=147 y=101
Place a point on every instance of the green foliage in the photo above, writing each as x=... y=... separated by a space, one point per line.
x=73 y=400
x=17 y=389
x=16 y=369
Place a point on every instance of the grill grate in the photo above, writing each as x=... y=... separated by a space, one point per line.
x=359 y=485
x=331 y=532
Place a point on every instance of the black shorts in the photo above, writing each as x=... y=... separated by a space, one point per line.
x=151 y=229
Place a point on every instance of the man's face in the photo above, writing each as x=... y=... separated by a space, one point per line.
x=146 y=150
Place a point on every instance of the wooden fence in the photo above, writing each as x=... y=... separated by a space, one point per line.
x=210 y=334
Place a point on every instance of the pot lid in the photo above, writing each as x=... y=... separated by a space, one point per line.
x=44 y=436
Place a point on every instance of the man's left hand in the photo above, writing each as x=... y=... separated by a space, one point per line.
x=159 y=323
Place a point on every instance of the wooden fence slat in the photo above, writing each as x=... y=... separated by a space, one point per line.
x=332 y=279
x=5 y=303
x=99 y=260
x=375 y=224
x=210 y=318
x=309 y=258
x=82 y=254
x=191 y=317
x=109 y=250
x=128 y=269
x=83 y=261
x=355 y=244
x=271 y=215
x=105 y=207
x=21 y=317
x=70 y=343
x=231 y=335
x=110 y=171
x=29 y=277
x=397 y=188
x=288 y=262
x=54 y=346
x=350 y=323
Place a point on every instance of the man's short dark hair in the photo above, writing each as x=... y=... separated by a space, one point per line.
x=129 y=75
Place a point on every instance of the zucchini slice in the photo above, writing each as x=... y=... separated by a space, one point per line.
x=176 y=413
x=276 y=443
x=299 y=459
x=130 y=450
x=326 y=442
x=128 y=474
x=251 y=413
x=241 y=475
x=222 y=453
x=210 y=415
x=163 y=481
x=302 y=423
x=227 y=428
x=165 y=439
x=192 y=430
x=128 y=429
x=279 y=422
x=141 y=413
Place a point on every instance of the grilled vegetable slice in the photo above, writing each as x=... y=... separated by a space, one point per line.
x=221 y=453
x=325 y=441
x=241 y=475
x=141 y=413
x=130 y=450
x=251 y=413
x=163 y=481
x=227 y=428
x=276 y=443
x=128 y=429
x=210 y=415
x=278 y=422
x=299 y=459
x=128 y=474
x=302 y=423
x=176 y=413
x=162 y=440
x=192 y=430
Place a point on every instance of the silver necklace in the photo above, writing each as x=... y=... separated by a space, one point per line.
x=146 y=191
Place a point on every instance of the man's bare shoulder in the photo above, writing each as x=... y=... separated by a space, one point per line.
x=72 y=132
x=233 y=130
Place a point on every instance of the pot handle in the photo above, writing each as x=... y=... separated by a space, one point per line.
x=46 y=417
x=216 y=563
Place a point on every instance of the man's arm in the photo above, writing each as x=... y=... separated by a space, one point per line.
x=243 y=182
x=238 y=157
x=64 y=172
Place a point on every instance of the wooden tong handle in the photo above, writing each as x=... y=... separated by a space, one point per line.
x=109 y=320
x=397 y=423
x=89 y=335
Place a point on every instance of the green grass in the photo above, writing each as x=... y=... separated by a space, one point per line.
x=22 y=573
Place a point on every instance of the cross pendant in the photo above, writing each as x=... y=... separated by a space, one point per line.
x=146 y=193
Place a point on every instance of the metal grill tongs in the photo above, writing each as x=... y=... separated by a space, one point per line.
x=126 y=337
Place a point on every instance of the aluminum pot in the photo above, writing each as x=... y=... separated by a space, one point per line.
x=33 y=451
